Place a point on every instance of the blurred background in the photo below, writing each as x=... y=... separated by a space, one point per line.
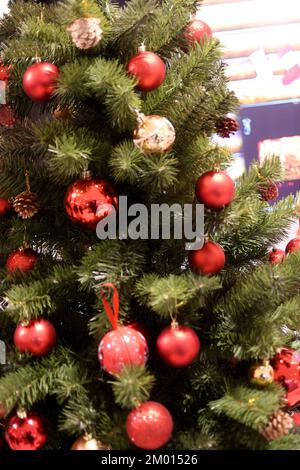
x=261 y=43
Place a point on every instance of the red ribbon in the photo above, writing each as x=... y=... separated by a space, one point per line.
x=112 y=311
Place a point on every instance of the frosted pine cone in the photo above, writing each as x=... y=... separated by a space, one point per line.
x=85 y=32
x=26 y=204
x=279 y=425
x=268 y=191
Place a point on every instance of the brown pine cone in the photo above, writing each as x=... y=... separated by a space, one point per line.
x=280 y=424
x=26 y=204
x=85 y=32
x=226 y=126
x=268 y=191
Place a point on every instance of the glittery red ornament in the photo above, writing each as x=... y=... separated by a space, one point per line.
x=7 y=117
x=90 y=200
x=293 y=245
x=26 y=433
x=21 y=260
x=276 y=256
x=286 y=365
x=5 y=206
x=37 y=338
x=178 y=346
x=148 y=68
x=140 y=328
x=210 y=259
x=39 y=81
x=215 y=189
x=226 y=126
x=120 y=347
x=196 y=32
x=149 y=426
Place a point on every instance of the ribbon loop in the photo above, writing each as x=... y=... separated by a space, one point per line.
x=111 y=309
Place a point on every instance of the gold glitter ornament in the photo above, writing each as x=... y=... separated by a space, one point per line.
x=154 y=134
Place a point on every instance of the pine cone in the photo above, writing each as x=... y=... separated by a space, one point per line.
x=226 y=126
x=279 y=425
x=26 y=204
x=268 y=191
x=85 y=32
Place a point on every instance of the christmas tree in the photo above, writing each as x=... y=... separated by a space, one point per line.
x=132 y=341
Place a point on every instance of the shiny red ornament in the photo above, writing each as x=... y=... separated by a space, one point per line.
x=149 y=426
x=21 y=260
x=7 y=117
x=5 y=206
x=148 y=68
x=215 y=189
x=197 y=32
x=4 y=72
x=276 y=256
x=210 y=259
x=293 y=245
x=296 y=418
x=37 y=338
x=26 y=433
x=286 y=365
x=122 y=346
x=90 y=200
x=39 y=81
x=178 y=346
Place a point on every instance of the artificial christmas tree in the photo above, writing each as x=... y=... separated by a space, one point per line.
x=150 y=144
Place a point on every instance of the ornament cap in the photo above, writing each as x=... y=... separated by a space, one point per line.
x=142 y=48
x=86 y=175
x=22 y=414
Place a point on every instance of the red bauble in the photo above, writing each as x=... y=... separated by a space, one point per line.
x=148 y=68
x=26 y=433
x=140 y=328
x=149 y=426
x=39 y=81
x=21 y=260
x=296 y=417
x=286 y=365
x=90 y=200
x=210 y=259
x=7 y=117
x=293 y=245
x=276 y=256
x=178 y=346
x=123 y=346
x=196 y=32
x=5 y=206
x=37 y=338
x=4 y=72
x=215 y=189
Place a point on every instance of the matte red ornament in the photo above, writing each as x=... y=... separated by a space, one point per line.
x=197 y=32
x=37 y=338
x=293 y=245
x=5 y=206
x=178 y=346
x=26 y=433
x=90 y=200
x=286 y=365
x=39 y=81
x=149 y=426
x=276 y=256
x=210 y=259
x=215 y=189
x=21 y=260
x=120 y=347
x=148 y=68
